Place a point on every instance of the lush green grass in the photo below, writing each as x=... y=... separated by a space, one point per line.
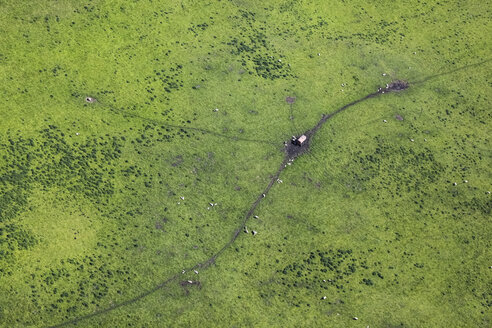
x=370 y=218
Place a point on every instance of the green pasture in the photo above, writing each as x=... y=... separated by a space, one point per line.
x=384 y=222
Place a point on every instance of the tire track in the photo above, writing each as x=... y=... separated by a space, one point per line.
x=205 y=131
x=462 y=68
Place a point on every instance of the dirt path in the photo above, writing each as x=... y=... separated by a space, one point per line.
x=291 y=152
x=205 y=131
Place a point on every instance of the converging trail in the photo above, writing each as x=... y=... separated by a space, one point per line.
x=291 y=152
x=204 y=131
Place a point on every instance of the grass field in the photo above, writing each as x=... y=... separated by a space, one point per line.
x=384 y=222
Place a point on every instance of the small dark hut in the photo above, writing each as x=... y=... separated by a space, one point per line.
x=300 y=141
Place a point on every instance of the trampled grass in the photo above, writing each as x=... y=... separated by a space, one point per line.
x=385 y=219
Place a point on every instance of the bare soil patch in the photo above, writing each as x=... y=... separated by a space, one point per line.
x=290 y=100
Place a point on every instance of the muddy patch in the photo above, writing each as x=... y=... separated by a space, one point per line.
x=177 y=161
x=186 y=284
x=290 y=100
x=397 y=85
x=292 y=149
x=159 y=225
